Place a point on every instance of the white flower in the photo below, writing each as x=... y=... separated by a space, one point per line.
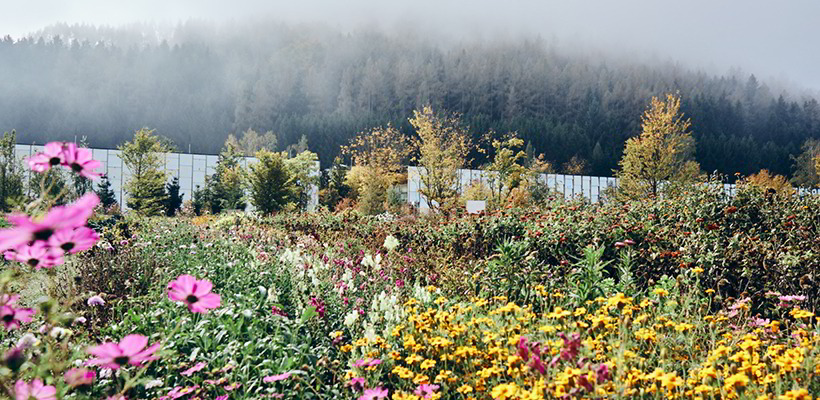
x=351 y=318
x=374 y=262
x=28 y=340
x=153 y=383
x=247 y=313
x=391 y=243
x=59 y=333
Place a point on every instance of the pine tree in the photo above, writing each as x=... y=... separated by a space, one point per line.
x=661 y=154
x=174 y=201
x=146 y=187
x=105 y=193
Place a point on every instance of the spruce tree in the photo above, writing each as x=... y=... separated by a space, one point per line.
x=174 y=201
x=146 y=187
x=105 y=193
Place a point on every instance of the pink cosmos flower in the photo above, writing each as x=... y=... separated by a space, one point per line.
x=223 y=397
x=374 y=394
x=195 y=368
x=27 y=230
x=357 y=383
x=74 y=240
x=426 y=391
x=51 y=156
x=12 y=316
x=131 y=350
x=195 y=293
x=365 y=362
x=232 y=386
x=36 y=390
x=178 y=392
x=81 y=161
x=79 y=376
x=275 y=378
x=37 y=255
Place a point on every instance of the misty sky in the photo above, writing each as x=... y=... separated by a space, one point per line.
x=772 y=39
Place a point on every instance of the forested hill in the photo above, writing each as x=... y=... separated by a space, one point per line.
x=203 y=82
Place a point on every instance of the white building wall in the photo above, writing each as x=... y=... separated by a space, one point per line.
x=191 y=170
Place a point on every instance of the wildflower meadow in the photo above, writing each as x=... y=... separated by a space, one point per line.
x=697 y=296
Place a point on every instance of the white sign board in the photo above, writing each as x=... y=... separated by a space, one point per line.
x=476 y=206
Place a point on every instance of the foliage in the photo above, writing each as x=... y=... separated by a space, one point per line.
x=225 y=188
x=506 y=171
x=270 y=182
x=252 y=141
x=806 y=172
x=174 y=201
x=337 y=187
x=11 y=174
x=380 y=152
x=81 y=184
x=304 y=171
x=442 y=147
x=146 y=186
x=661 y=153
x=576 y=166
x=105 y=193
x=765 y=180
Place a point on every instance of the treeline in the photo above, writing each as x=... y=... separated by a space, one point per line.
x=204 y=82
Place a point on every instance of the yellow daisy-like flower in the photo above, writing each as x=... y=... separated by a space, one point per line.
x=413 y=358
x=504 y=391
x=427 y=364
x=464 y=389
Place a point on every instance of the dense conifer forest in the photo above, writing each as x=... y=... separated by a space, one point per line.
x=196 y=83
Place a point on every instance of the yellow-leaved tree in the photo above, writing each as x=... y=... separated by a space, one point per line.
x=661 y=155
x=442 y=147
x=380 y=152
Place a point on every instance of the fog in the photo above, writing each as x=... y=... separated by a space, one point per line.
x=773 y=40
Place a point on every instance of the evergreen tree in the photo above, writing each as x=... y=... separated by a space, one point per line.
x=807 y=165
x=105 y=193
x=146 y=186
x=174 y=201
x=337 y=189
x=11 y=174
x=271 y=186
x=225 y=186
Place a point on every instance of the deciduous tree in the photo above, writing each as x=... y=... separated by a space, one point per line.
x=661 y=154
x=442 y=147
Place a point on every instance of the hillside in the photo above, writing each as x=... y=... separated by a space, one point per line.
x=197 y=83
